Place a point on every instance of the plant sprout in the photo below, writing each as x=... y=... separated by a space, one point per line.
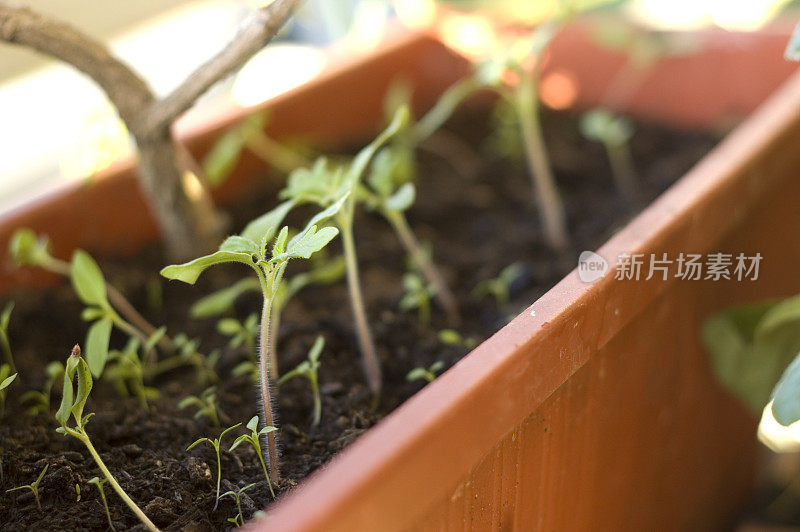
x=308 y=369
x=5 y=343
x=500 y=286
x=428 y=374
x=127 y=373
x=206 y=404
x=390 y=195
x=73 y=402
x=40 y=399
x=455 y=338
x=417 y=296
x=522 y=95
x=252 y=247
x=239 y=519
x=6 y=378
x=33 y=487
x=249 y=134
x=254 y=439
x=614 y=132
x=215 y=443
x=241 y=333
x=328 y=185
x=99 y=483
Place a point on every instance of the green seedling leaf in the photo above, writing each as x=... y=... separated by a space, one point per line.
x=792 y=52
x=401 y=118
x=784 y=314
x=97 y=340
x=190 y=271
x=28 y=249
x=239 y=244
x=603 y=126
x=786 y=396
x=403 y=198
x=5 y=383
x=310 y=242
x=229 y=326
x=223 y=300
x=87 y=279
x=280 y=242
x=316 y=350
x=252 y=425
x=154 y=338
x=256 y=230
x=5 y=318
x=223 y=157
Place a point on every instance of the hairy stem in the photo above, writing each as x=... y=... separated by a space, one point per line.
x=442 y=293
x=273 y=342
x=369 y=356
x=266 y=396
x=551 y=210
x=111 y=480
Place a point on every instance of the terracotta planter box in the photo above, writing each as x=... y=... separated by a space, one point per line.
x=599 y=411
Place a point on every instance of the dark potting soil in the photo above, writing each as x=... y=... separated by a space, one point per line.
x=477 y=226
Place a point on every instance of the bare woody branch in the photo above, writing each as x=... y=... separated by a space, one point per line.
x=188 y=222
x=256 y=32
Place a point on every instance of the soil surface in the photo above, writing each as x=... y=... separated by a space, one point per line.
x=477 y=224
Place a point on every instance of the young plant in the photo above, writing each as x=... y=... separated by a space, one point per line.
x=5 y=343
x=73 y=402
x=614 y=132
x=500 y=286
x=239 y=519
x=259 y=247
x=99 y=483
x=517 y=84
x=390 y=194
x=455 y=338
x=428 y=374
x=254 y=439
x=206 y=404
x=6 y=378
x=215 y=443
x=329 y=185
x=33 y=487
x=28 y=249
x=39 y=400
x=308 y=370
x=127 y=372
x=417 y=296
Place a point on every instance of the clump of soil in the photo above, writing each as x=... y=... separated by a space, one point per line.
x=477 y=226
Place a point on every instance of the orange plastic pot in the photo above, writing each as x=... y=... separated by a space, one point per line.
x=595 y=408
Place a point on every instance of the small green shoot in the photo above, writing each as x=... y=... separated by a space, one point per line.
x=99 y=483
x=500 y=286
x=455 y=338
x=73 y=402
x=206 y=404
x=614 y=132
x=329 y=185
x=6 y=378
x=241 y=333
x=417 y=296
x=267 y=250
x=308 y=369
x=428 y=374
x=254 y=439
x=39 y=400
x=5 y=343
x=126 y=370
x=33 y=487
x=215 y=443
x=239 y=519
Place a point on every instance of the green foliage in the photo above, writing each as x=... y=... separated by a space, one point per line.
x=206 y=404
x=222 y=301
x=500 y=286
x=604 y=126
x=308 y=369
x=239 y=519
x=39 y=400
x=28 y=249
x=455 y=338
x=127 y=372
x=253 y=438
x=428 y=374
x=240 y=333
x=99 y=483
x=5 y=342
x=417 y=296
x=750 y=347
x=33 y=487
x=6 y=378
x=215 y=443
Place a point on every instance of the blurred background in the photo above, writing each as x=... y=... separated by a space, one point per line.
x=57 y=126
